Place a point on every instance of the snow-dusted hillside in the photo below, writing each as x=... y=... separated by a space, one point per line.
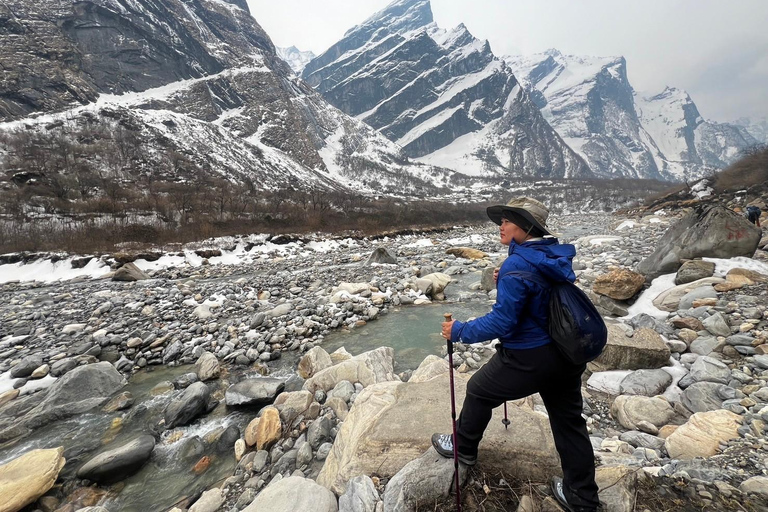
x=198 y=79
x=295 y=58
x=592 y=105
x=756 y=127
x=440 y=94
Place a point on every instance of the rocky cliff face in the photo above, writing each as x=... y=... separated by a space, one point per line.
x=204 y=65
x=442 y=95
x=592 y=105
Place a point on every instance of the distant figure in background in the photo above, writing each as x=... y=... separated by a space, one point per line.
x=753 y=214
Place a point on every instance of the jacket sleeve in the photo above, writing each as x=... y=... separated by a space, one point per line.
x=502 y=319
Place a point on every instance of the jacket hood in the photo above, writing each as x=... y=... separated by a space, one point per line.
x=553 y=259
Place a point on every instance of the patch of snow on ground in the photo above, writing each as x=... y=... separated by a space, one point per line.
x=627 y=224
x=604 y=240
x=644 y=303
x=424 y=242
x=722 y=266
x=48 y=271
x=608 y=382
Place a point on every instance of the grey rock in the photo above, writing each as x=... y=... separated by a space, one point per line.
x=129 y=272
x=694 y=270
x=343 y=390
x=641 y=439
x=704 y=345
x=703 y=396
x=717 y=325
x=26 y=366
x=78 y=391
x=188 y=406
x=645 y=382
x=710 y=370
x=382 y=255
x=319 y=432
x=421 y=481
x=360 y=496
x=254 y=391
x=118 y=463
x=739 y=340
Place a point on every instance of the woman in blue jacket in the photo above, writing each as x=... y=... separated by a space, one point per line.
x=527 y=361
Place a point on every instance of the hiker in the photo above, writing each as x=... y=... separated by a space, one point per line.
x=753 y=214
x=526 y=361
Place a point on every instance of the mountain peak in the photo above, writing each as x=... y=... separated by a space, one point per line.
x=399 y=16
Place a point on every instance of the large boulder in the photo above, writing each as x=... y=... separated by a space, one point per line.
x=367 y=368
x=630 y=410
x=183 y=409
x=708 y=231
x=26 y=478
x=258 y=391
x=645 y=349
x=382 y=255
x=702 y=434
x=313 y=361
x=129 y=272
x=118 y=463
x=619 y=284
x=391 y=423
x=421 y=482
x=294 y=494
x=78 y=391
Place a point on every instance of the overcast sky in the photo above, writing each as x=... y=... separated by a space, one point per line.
x=717 y=50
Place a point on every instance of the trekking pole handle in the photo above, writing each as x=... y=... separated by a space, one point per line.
x=448 y=343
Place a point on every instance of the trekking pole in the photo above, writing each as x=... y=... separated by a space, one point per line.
x=449 y=346
x=505 y=421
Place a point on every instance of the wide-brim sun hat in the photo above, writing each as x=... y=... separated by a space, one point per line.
x=534 y=212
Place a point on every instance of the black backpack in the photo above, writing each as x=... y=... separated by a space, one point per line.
x=574 y=324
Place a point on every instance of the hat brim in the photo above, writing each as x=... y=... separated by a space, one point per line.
x=496 y=213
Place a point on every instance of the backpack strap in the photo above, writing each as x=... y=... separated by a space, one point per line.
x=536 y=278
x=531 y=276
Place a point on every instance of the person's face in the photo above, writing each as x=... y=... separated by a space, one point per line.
x=510 y=231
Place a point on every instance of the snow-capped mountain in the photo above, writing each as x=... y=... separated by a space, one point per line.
x=441 y=95
x=757 y=127
x=295 y=58
x=199 y=80
x=592 y=105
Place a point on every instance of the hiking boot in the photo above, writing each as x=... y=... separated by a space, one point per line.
x=443 y=444
x=559 y=492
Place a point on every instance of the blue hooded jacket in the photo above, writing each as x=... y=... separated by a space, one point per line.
x=521 y=310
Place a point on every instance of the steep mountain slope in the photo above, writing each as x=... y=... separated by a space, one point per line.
x=757 y=127
x=592 y=105
x=442 y=95
x=295 y=58
x=204 y=67
x=690 y=147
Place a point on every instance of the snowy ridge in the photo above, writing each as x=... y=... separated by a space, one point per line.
x=295 y=58
x=441 y=94
x=212 y=89
x=591 y=104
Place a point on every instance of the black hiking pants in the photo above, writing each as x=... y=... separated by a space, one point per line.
x=514 y=374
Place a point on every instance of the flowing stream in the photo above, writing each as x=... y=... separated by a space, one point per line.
x=188 y=460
